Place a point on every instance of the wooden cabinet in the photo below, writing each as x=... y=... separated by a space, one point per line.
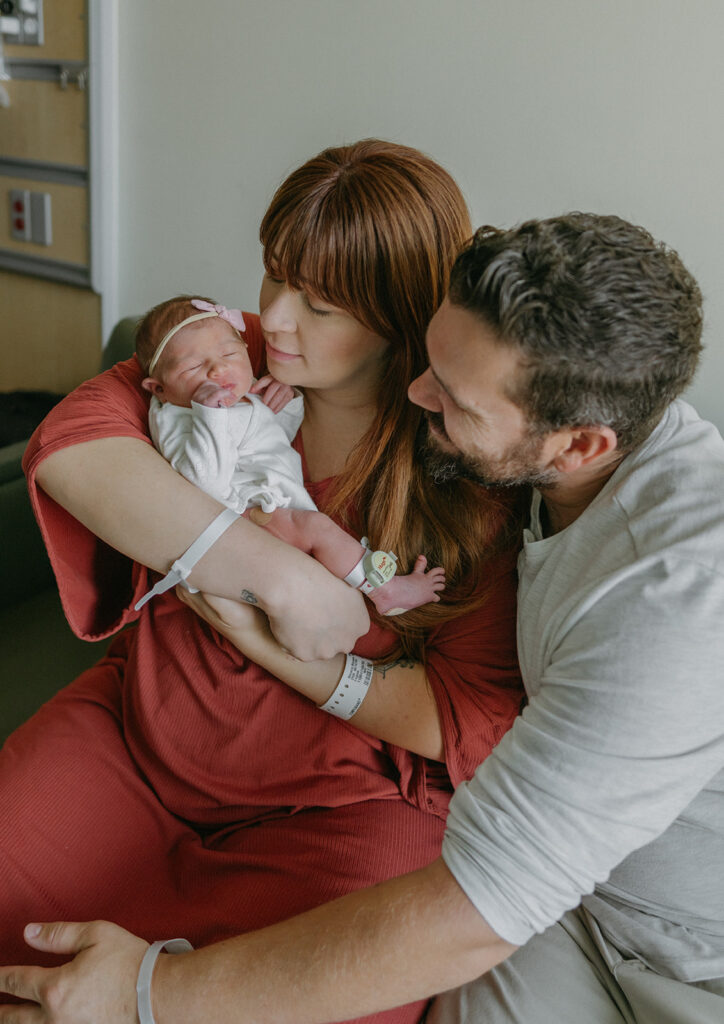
x=45 y=124
x=51 y=329
x=50 y=334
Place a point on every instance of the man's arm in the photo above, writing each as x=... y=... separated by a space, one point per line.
x=126 y=493
x=400 y=941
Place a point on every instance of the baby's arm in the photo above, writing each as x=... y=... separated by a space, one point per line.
x=198 y=443
x=318 y=535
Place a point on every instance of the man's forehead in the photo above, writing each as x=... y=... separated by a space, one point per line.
x=466 y=356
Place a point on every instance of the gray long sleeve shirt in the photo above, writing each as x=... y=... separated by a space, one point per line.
x=611 y=784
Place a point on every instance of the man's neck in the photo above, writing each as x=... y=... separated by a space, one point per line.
x=571 y=495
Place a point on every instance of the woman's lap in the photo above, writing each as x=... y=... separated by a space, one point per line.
x=85 y=837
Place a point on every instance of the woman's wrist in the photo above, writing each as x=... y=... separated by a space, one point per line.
x=316 y=680
x=352 y=688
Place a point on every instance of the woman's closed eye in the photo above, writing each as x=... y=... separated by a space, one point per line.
x=314 y=309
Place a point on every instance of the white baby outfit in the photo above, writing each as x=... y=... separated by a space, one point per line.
x=242 y=456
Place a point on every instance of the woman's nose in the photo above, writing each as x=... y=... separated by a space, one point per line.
x=423 y=391
x=279 y=315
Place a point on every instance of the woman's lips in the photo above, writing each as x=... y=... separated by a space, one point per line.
x=280 y=357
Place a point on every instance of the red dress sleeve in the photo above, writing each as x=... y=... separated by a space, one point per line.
x=98 y=585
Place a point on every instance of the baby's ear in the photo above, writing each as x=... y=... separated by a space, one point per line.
x=153 y=385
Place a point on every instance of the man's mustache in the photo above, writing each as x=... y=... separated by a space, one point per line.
x=437 y=421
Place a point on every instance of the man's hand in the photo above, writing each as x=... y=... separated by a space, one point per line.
x=97 y=987
x=273 y=393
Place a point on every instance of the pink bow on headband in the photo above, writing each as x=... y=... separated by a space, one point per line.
x=232 y=316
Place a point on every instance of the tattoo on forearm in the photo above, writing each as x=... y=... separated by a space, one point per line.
x=248 y=597
x=400 y=663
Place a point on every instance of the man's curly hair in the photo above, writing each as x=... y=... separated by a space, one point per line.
x=607 y=321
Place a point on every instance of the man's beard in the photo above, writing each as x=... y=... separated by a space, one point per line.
x=516 y=468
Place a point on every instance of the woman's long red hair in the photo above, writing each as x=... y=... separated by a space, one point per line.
x=374 y=228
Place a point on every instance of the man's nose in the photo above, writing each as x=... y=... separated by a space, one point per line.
x=423 y=391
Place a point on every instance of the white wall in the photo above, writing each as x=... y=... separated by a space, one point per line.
x=535 y=106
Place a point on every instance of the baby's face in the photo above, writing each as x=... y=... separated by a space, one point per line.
x=208 y=350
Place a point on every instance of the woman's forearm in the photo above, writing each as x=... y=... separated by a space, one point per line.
x=128 y=495
x=399 y=707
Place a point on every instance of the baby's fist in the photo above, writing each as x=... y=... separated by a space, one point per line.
x=272 y=392
x=214 y=396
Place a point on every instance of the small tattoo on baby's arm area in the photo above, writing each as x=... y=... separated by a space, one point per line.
x=400 y=663
x=248 y=597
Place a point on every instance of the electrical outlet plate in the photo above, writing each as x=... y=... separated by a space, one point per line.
x=41 y=228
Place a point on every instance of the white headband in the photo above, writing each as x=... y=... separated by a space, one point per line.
x=165 y=340
x=232 y=316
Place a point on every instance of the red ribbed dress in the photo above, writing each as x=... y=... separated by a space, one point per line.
x=179 y=789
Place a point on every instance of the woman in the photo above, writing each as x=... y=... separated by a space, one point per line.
x=178 y=788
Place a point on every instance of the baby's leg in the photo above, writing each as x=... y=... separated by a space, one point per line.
x=318 y=536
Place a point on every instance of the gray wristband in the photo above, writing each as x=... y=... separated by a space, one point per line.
x=145 y=974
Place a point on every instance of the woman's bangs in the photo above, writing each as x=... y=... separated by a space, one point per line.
x=307 y=248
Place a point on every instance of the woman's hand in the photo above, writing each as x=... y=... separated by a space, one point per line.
x=242 y=624
x=97 y=987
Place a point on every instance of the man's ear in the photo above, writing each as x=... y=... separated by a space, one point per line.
x=583 y=447
x=153 y=385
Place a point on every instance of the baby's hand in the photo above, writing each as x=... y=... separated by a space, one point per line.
x=214 y=396
x=275 y=394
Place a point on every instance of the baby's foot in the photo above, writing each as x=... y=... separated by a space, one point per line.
x=403 y=593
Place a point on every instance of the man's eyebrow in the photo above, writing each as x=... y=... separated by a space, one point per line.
x=460 y=404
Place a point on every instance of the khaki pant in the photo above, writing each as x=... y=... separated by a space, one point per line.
x=571 y=975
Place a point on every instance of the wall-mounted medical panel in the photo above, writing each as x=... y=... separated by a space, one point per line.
x=65 y=211
x=65 y=33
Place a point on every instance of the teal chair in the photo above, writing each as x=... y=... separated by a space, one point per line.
x=38 y=652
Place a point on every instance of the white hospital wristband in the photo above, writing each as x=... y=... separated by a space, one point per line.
x=145 y=973
x=352 y=688
x=182 y=567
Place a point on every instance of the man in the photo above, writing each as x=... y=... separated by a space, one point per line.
x=556 y=361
